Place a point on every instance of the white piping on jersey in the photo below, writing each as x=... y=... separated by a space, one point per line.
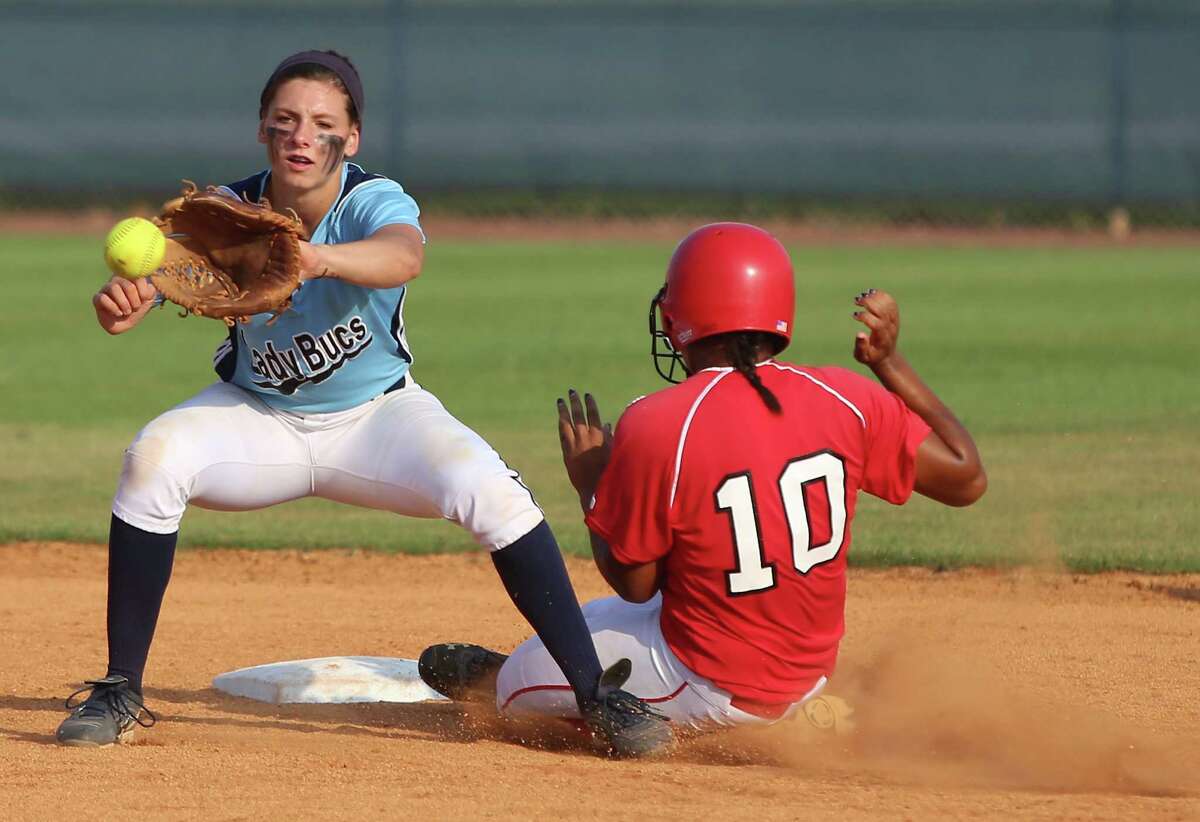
x=400 y=336
x=726 y=367
x=687 y=422
x=224 y=348
x=814 y=380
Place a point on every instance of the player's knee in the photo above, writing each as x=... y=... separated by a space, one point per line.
x=530 y=683
x=507 y=681
x=150 y=494
x=495 y=507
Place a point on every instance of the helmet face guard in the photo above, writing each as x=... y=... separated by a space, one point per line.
x=666 y=358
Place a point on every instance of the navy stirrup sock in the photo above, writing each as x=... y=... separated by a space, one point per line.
x=535 y=577
x=139 y=568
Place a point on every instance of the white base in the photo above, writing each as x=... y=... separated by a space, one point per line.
x=331 y=679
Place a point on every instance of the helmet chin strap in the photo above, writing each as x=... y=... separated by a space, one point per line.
x=666 y=358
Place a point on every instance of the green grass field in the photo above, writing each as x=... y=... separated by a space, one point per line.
x=1075 y=369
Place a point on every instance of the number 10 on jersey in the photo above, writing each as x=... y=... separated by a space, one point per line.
x=735 y=495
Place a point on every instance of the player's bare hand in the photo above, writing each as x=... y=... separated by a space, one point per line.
x=880 y=314
x=586 y=442
x=312 y=262
x=121 y=304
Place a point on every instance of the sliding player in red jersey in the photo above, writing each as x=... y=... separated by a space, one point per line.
x=721 y=512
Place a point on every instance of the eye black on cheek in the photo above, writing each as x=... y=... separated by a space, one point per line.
x=335 y=148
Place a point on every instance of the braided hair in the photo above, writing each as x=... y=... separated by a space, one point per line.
x=742 y=348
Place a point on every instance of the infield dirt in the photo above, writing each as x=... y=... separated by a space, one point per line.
x=1029 y=693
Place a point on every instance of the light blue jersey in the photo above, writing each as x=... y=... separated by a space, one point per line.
x=339 y=344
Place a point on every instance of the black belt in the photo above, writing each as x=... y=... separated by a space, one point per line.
x=397 y=385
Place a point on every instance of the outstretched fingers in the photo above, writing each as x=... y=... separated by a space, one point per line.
x=586 y=441
x=566 y=429
x=580 y=424
x=576 y=407
x=593 y=412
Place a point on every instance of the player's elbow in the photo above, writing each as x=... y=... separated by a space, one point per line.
x=409 y=266
x=637 y=595
x=972 y=487
x=958 y=483
x=623 y=584
x=979 y=485
x=399 y=253
x=402 y=268
x=637 y=583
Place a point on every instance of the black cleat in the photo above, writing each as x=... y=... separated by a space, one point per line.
x=108 y=715
x=622 y=725
x=460 y=671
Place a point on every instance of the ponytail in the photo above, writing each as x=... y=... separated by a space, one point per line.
x=742 y=349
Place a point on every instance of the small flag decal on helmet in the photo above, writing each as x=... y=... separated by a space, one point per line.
x=781 y=326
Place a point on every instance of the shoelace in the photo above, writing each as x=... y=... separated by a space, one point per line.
x=115 y=699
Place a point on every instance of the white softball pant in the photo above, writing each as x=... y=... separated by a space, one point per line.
x=227 y=450
x=530 y=683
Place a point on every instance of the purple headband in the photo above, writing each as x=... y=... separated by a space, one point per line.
x=338 y=65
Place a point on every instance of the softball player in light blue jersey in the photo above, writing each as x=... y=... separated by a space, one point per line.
x=342 y=344
x=320 y=402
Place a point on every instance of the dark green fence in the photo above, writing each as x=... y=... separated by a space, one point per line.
x=1002 y=99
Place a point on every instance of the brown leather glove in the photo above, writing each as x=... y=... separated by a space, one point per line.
x=227 y=258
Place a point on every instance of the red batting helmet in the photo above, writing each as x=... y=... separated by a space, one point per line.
x=723 y=277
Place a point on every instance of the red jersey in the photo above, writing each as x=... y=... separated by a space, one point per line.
x=752 y=511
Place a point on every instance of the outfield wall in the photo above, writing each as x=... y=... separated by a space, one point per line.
x=1075 y=100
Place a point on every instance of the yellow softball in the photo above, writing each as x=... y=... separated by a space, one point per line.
x=134 y=248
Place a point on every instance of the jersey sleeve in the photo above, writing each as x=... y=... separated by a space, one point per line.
x=631 y=507
x=893 y=434
x=376 y=204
